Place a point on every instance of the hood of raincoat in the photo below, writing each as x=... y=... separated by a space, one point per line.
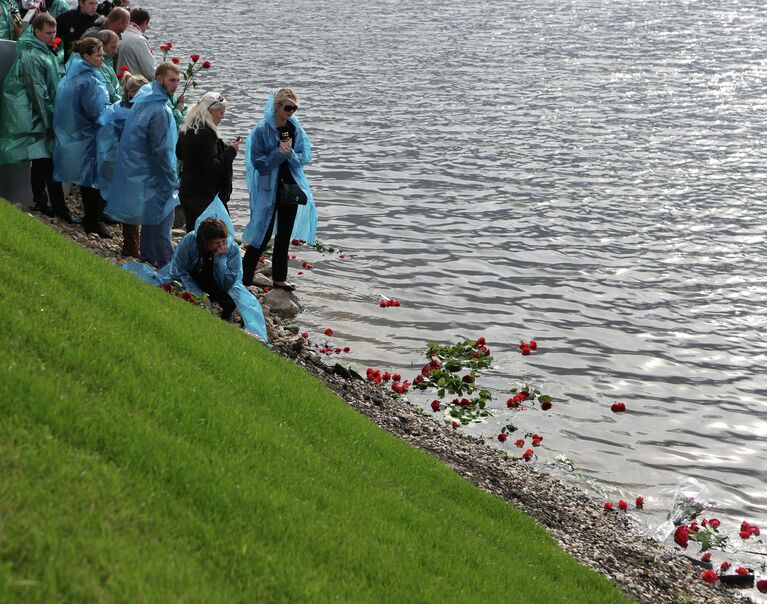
x=151 y=92
x=28 y=41
x=77 y=65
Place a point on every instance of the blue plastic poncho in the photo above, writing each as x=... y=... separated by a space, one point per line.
x=111 y=125
x=80 y=98
x=227 y=270
x=145 y=184
x=262 y=167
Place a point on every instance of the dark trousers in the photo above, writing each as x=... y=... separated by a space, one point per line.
x=208 y=284
x=285 y=214
x=44 y=188
x=192 y=210
x=93 y=206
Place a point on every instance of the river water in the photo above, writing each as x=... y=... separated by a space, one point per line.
x=589 y=173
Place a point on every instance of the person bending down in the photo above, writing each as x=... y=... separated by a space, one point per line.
x=208 y=260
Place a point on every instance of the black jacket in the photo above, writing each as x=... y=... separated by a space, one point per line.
x=71 y=25
x=207 y=165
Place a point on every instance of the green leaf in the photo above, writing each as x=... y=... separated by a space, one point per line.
x=545 y=398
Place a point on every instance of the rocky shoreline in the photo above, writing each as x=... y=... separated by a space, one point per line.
x=644 y=569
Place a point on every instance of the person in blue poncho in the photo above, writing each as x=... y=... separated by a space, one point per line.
x=208 y=260
x=81 y=97
x=278 y=149
x=144 y=187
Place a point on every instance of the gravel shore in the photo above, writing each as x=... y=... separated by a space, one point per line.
x=645 y=570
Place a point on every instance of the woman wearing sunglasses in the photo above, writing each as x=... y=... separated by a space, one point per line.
x=278 y=150
x=207 y=160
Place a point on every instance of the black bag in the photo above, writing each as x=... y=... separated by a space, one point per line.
x=291 y=193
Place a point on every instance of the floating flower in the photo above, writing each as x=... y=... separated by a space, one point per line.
x=533 y=345
x=528 y=455
x=206 y=64
x=639 y=503
x=761 y=585
x=503 y=436
x=435 y=405
x=623 y=506
x=608 y=506
x=337 y=350
x=545 y=406
x=745 y=534
x=328 y=332
x=741 y=571
x=618 y=407
x=175 y=60
x=347 y=349
x=520 y=442
x=709 y=576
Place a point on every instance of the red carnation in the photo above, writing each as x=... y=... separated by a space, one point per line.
x=396 y=377
x=608 y=506
x=528 y=455
x=503 y=436
x=455 y=425
x=328 y=332
x=714 y=523
x=709 y=576
x=725 y=566
x=682 y=536
x=386 y=376
x=480 y=341
x=706 y=557
x=206 y=64
x=533 y=345
x=745 y=534
x=519 y=442
x=640 y=503
x=194 y=57
x=176 y=60
x=525 y=350
x=761 y=585
x=623 y=505
x=618 y=407
x=337 y=350
x=435 y=405
x=741 y=571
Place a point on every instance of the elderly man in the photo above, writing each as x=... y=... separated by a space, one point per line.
x=109 y=41
x=117 y=21
x=75 y=22
x=134 y=51
x=26 y=114
x=144 y=187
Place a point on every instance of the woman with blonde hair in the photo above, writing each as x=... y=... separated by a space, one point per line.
x=278 y=150
x=206 y=170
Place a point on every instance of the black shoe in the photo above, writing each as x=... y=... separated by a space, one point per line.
x=43 y=209
x=285 y=285
x=108 y=219
x=100 y=229
x=66 y=216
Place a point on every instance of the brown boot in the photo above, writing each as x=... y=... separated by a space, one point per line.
x=131 y=236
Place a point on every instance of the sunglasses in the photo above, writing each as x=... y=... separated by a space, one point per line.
x=290 y=108
x=219 y=99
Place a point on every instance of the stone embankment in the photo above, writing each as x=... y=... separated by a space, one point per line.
x=642 y=568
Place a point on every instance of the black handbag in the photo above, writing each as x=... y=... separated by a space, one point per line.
x=294 y=194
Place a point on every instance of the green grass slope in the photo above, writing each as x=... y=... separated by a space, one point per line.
x=150 y=452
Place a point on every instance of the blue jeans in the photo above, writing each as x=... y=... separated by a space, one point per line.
x=156 y=243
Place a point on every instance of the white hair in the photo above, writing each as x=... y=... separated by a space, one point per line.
x=199 y=115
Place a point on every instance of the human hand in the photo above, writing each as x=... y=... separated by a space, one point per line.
x=287 y=147
x=236 y=144
x=180 y=103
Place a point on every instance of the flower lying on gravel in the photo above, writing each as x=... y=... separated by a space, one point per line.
x=347 y=349
x=709 y=576
x=435 y=404
x=618 y=407
x=305 y=335
x=640 y=503
x=682 y=535
x=761 y=585
x=706 y=557
x=608 y=507
x=503 y=436
x=725 y=566
x=528 y=455
x=741 y=571
x=455 y=425
x=623 y=505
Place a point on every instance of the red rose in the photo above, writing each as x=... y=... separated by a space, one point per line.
x=741 y=571
x=296 y=241
x=545 y=406
x=396 y=377
x=533 y=345
x=418 y=379
x=124 y=68
x=714 y=523
x=176 y=60
x=724 y=567
x=511 y=403
x=608 y=506
x=709 y=576
x=382 y=304
x=169 y=45
x=468 y=379
x=337 y=350
x=745 y=534
x=681 y=536
x=206 y=64
x=328 y=332
x=425 y=370
x=480 y=342
x=706 y=557
x=386 y=376
x=618 y=407
x=693 y=528
x=395 y=303
x=519 y=443
x=536 y=442
x=761 y=585
x=194 y=57
x=341 y=256
x=435 y=363
x=640 y=503
x=347 y=349
x=164 y=47
x=528 y=455
x=525 y=350
x=503 y=436
x=435 y=405
x=455 y=425
x=305 y=335
x=623 y=505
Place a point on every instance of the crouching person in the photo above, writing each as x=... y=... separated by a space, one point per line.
x=208 y=260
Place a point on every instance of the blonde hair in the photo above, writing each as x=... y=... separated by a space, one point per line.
x=283 y=94
x=132 y=83
x=199 y=115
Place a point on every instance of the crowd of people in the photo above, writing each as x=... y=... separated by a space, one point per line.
x=136 y=153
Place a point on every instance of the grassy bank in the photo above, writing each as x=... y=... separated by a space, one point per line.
x=150 y=452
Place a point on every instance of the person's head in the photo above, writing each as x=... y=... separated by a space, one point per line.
x=91 y=50
x=123 y=3
x=285 y=103
x=117 y=20
x=88 y=7
x=109 y=40
x=44 y=28
x=212 y=234
x=168 y=76
x=207 y=112
x=132 y=84
x=140 y=18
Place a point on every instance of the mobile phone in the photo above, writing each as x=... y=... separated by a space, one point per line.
x=284 y=135
x=239 y=138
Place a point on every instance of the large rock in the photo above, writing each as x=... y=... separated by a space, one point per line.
x=265 y=269
x=283 y=303
x=261 y=280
